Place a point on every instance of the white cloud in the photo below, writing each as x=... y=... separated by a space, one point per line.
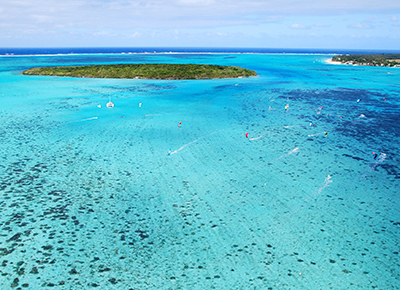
x=360 y=25
x=104 y=34
x=134 y=35
x=178 y=13
x=43 y=18
x=216 y=34
x=196 y=2
x=321 y=25
x=140 y=18
x=298 y=26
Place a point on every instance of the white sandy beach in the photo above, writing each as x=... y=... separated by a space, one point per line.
x=330 y=61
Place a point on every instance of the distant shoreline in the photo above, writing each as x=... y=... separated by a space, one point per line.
x=330 y=61
x=373 y=60
x=74 y=51
x=166 y=53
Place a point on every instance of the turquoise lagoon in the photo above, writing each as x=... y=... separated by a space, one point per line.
x=124 y=198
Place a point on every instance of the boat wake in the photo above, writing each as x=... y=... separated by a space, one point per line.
x=326 y=183
x=188 y=144
x=313 y=135
x=373 y=165
x=309 y=199
x=258 y=137
x=289 y=153
x=293 y=126
x=87 y=119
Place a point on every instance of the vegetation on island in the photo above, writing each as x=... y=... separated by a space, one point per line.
x=386 y=60
x=145 y=71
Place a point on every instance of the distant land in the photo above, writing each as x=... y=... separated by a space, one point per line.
x=381 y=60
x=126 y=51
x=145 y=71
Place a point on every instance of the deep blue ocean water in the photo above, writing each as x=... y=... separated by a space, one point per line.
x=124 y=198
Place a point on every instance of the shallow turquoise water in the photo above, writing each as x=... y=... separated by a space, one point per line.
x=90 y=197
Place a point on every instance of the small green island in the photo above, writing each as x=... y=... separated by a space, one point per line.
x=145 y=71
x=381 y=60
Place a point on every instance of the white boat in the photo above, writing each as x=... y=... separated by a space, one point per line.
x=110 y=104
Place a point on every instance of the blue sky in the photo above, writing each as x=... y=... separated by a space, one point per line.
x=358 y=24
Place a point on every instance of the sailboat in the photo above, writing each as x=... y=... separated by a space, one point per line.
x=110 y=104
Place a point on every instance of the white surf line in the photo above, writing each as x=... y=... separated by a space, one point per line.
x=87 y=119
x=188 y=144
